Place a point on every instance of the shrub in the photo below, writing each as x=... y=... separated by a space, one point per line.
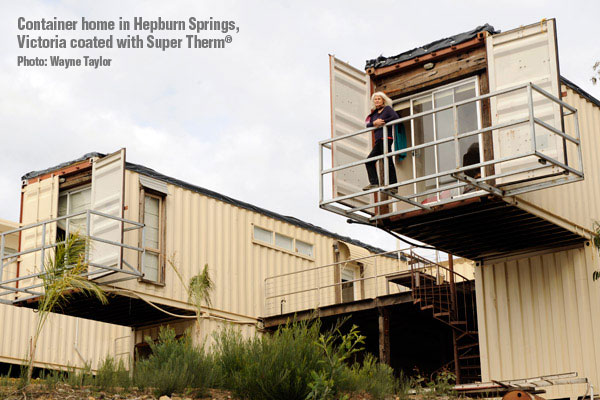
x=112 y=374
x=79 y=376
x=174 y=365
x=374 y=378
x=276 y=366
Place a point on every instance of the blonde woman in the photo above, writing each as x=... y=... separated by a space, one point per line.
x=381 y=113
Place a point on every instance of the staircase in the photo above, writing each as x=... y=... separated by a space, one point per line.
x=450 y=298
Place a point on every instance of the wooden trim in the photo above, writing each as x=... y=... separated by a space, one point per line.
x=162 y=223
x=486 y=121
x=436 y=55
x=450 y=69
x=63 y=171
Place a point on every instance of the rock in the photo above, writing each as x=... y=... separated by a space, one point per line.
x=163 y=397
x=91 y=398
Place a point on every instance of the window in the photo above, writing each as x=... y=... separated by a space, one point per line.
x=70 y=202
x=304 y=248
x=263 y=235
x=282 y=242
x=153 y=216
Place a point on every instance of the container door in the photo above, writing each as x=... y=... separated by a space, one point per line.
x=40 y=203
x=526 y=54
x=108 y=176
x=350 y=92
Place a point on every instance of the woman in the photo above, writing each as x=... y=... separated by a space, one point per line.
x=381 y=113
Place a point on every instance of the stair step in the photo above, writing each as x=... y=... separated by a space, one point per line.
x=467 y=333
x=458 y=322
x=442 y=314
x=469 y=357
x=468 y=346
x=471 y=367
x=427 y=307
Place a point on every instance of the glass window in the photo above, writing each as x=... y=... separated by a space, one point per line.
x=304 y=248
x=71 y=202
x=263 y=235
x=284 y=242
x=153 y=244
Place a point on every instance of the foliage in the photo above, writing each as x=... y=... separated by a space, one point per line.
x=334 y=369
x=63 y=273
x=376 y=379
x=174 y=365
x=441 y=384
x=78 y=377
x=276 y=366
x=112 y=374
x=596 y=74
x=199 y=287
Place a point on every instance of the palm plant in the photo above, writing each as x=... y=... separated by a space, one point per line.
x=64 y=273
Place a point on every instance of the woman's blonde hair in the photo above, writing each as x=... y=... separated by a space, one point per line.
x=386 y=100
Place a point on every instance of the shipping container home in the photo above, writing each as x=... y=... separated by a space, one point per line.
x=489 y=152
x=81 y=342
x=151 y=233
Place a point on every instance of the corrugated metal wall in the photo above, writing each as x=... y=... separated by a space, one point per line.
x=540 y=315
x=56 y=346
x=202 y=230
x=61 y=335
x=577 y=202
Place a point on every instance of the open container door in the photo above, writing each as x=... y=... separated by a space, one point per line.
x=40 y=203
x=522 y=55
x=350 y=92
x=108 y=177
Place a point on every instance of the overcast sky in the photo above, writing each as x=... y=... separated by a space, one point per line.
x=245 y=120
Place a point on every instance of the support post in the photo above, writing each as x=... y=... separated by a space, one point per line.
x=453 y=316
x=384 y=335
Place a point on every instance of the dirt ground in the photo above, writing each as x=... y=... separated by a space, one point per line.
x=66 y=392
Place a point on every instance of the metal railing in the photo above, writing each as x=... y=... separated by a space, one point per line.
x=567 y=173
x=322 y=286
x=27 y=286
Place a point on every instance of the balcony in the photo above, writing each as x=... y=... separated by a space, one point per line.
x=462 y=201
x=21 y=273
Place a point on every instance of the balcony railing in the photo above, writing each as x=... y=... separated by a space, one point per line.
x=17 y=285
x=529 y=169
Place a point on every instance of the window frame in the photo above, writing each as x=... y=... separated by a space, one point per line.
x=160 y=252
x=273 y=246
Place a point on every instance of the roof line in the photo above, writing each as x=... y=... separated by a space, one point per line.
x=579 y=90
x=238 y=203
x=209 y=193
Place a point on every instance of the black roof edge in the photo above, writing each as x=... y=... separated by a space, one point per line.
x=218 y=196
x=437 y=45
x=581 y=92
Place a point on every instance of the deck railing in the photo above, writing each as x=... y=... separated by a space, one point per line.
x=16 y=286
x=369 y=206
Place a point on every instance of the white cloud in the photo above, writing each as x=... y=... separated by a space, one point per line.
x=245 y=120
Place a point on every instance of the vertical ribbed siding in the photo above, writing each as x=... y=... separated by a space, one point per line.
x=539 y=316
x=577 y=202
x=201 y=230
x=56 y=346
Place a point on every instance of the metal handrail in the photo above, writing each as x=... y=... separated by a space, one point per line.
x=404 y=256
x=478 y=184
x=8 y=259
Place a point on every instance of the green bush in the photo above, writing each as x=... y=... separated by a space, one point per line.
x=174 y=365
x=276 y=366
x=78 y=377
x=112 y=374
x=373 y=377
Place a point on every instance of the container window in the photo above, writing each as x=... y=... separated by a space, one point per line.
x=284 y=242
x=263 y=235
x=304 y=248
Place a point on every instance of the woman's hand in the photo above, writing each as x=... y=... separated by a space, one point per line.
x=378 y=122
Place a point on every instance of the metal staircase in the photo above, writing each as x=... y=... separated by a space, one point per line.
x=450 y=298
